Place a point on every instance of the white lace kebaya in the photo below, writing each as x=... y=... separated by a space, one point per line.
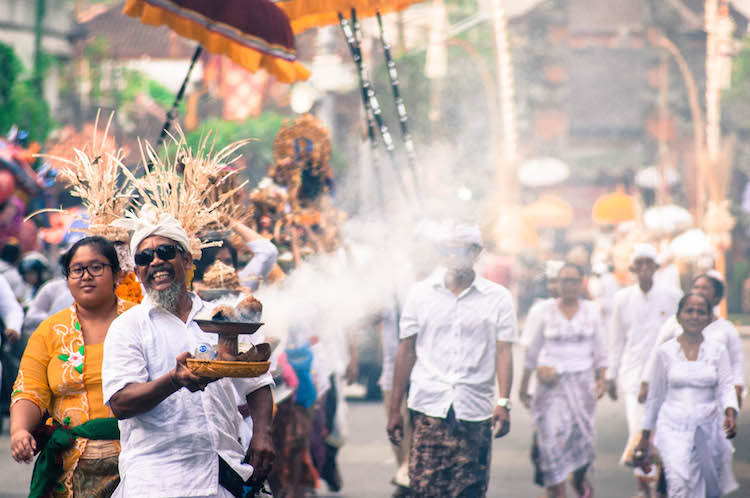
x=685 y=408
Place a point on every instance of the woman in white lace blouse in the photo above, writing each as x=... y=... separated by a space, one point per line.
x=564 y=344
x=692 y=406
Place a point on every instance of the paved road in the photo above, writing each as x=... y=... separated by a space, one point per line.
x=367 y=463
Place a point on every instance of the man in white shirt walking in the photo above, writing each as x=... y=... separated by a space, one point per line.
x=456 y=334
x=177 y=442
x=638 y=313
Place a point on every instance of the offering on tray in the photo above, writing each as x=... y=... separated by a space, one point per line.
x=224 y=314
x=229 y=320
x=250 y=310
x=221 y=276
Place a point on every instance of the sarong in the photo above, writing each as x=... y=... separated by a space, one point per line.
x=697 y=456
x=449 y=457
x=48 y=468
x=563 y=416
x=292 y=469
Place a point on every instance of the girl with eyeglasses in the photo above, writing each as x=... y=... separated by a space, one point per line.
x=60 y=378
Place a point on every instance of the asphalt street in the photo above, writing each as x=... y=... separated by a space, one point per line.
x=367 y=463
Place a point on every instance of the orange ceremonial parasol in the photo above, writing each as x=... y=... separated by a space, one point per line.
x=615 y=208
x=253 y=33
x=549 y=211
x=306 y=14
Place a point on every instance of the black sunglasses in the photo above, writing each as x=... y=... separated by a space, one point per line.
x=165 y=252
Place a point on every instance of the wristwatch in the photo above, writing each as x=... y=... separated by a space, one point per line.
x=504 y=402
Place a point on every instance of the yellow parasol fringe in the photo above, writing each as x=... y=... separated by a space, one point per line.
x=307 y=14
x=252 y=60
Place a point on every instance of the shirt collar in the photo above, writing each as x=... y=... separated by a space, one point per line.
x=437 y=280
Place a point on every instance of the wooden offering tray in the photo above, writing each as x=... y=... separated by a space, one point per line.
x=228 y=332
x=219 y=369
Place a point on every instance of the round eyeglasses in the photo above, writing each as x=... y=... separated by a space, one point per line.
x=94 y=269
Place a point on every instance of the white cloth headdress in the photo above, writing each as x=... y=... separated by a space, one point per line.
x=552 y=268
x=463 y=234
x=151 y=222
x=647 y=251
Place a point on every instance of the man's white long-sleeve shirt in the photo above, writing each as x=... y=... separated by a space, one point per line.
x=636 y=320
x=172 y=450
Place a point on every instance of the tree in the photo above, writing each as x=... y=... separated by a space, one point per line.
x=19 y=103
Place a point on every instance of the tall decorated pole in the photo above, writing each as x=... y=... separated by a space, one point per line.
x=403 y=119
x=717 y=219
x=369 y=99
x=506 y=214
x=506 y=171
x=369 y=117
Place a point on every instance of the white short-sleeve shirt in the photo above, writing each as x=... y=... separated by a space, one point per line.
x=456 y=345
x=172 y=450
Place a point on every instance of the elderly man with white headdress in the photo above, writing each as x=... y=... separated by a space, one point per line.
x=638 y=313
x=179 y=432
x=456 y=334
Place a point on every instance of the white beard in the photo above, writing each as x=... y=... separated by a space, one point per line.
x=168 y=299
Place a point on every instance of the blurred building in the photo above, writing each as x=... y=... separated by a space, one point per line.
x=592 y=81
x=59 y=32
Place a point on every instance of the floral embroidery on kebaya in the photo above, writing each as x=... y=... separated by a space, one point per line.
x=75 y=358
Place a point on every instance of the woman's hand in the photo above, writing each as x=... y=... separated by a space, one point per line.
x=730 y=423
x=640 y=453
x=22 y=446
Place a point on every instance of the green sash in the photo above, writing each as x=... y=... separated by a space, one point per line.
x=48 y=466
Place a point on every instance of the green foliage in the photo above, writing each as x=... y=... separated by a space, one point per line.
x=10 y=68
x=736 y=100
x=29 y=111
x=137 y=82
x=19 y=103
x=258 y=154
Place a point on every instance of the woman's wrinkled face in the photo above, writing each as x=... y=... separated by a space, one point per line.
x=90 y=290
x=694 y=315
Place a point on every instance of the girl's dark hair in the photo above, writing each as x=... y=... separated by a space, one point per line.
x=102 y=246
x=717 y=284
x=576 y=267
x=684 y=299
